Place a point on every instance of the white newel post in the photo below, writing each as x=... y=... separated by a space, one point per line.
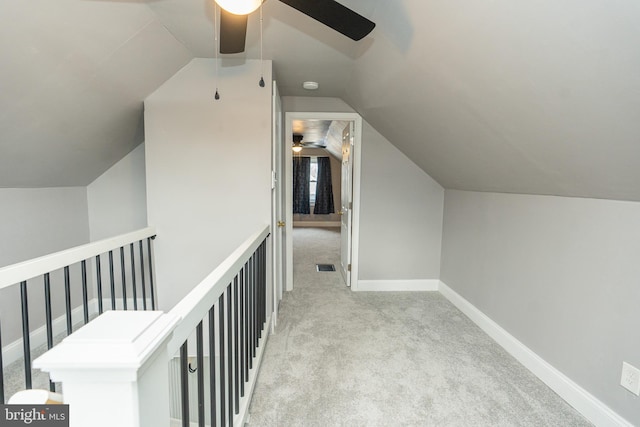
x=114 y=370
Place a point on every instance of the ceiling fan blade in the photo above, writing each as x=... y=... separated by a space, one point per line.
x=318 y=144
x=233 y=32
x=334 y=15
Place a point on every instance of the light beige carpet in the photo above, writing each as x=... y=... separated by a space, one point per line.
x=340 y=358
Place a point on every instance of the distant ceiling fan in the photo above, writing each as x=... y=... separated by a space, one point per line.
x=233 y=20
x=299 y=144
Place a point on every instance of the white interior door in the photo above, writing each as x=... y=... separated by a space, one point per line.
x=278 y=204
x=346 y=205
x=350 y=206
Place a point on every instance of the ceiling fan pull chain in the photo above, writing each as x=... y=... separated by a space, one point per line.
x=215 y=37
x=261 y=82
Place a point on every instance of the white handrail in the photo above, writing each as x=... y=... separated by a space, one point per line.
x=195 y=305
x=14 y=274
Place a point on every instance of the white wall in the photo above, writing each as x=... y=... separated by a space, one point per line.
x=208 y=166
x=400 y=206
x=400 y=214
x=36 y=222
x=117 y=200
x=39 y=221
x=562 y=275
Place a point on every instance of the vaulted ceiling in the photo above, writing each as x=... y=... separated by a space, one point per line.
x=511 y=96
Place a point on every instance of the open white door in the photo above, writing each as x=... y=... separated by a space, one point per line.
x=346 y=208
x=350 y=206
x=278 y=204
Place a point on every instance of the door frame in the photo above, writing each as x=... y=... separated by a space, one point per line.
x=288 y=174
x=277 y=243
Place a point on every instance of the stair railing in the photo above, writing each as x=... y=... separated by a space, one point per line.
x=62 y=291
x=226 y=316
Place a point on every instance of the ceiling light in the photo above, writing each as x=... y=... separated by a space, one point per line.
x=310 y=85
x=239 y=7
x=297 y=148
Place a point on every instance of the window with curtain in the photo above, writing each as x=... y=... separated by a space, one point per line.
x=301 y=176
x=324 y=190
x=313 y=180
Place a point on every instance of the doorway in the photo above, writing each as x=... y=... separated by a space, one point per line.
x=347 y=155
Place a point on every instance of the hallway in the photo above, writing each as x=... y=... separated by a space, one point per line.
x=340 y=358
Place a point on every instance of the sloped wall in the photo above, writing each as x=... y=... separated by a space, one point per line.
x=208 y=168
x=401 y=214
x=562 y=275
x=400 y=206
x=117 y=200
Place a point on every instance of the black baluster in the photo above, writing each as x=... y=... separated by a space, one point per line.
x=67 y=300
x=113 y=281
x=256 y=300
x=230 y=354
x=144 y=290
x=247 y=318
x=85 y=298
x=259 y=290
x=133 y=277
x=264 y=282
x=99 y=283
x=200 y=373
x=47 y=310
x=242 y=336
x=1 y=369
x=221 y=356
x=123 y=273
x=250 y=314
x=212 y=363
x=153 y=296
x=236 y=369
x=48 y=319
x=184 y=384
x=26 y=342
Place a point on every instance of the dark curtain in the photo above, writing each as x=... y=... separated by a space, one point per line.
x=301 y=174
x=324 y=190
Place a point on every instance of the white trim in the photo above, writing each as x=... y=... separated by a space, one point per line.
x=287 y=171
x=13 y=274
x=419 y=285
x=355 y=218
x=588 y=405
x=355 y=224
x=331 y=224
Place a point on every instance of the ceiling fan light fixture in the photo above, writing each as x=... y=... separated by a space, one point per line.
x=239 y=7
x=297 y=143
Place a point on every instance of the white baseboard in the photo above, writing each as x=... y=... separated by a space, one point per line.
x=419 y=285
x=331 y=224
x=588 y=405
